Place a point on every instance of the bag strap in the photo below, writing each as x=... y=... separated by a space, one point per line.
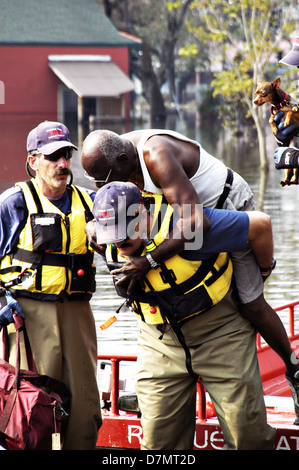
x=45 y=381
x=29 y=356
x=5 y=416
x=20 y=326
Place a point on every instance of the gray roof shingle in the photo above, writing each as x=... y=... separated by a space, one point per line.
x=58 y=22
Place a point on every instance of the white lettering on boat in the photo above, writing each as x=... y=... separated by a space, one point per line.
x=213 y=439
x=209 y=439
x=134 y=431
x=284 y=444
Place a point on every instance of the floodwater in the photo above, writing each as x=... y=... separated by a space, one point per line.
x=241 y=155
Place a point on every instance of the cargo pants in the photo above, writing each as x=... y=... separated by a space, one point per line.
x=63 y=342
x=223 y=350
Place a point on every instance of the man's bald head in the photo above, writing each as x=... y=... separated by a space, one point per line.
x=101 y=146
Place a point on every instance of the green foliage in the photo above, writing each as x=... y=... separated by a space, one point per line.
x=243 y=37
x=238 y=40
x=190 y=50
x=174 y=5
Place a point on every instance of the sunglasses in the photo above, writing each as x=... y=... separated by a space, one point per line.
x=55 y=156
x=95 y=180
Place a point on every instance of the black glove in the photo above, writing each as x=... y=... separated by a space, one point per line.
x=285 y=134
x=286 y=157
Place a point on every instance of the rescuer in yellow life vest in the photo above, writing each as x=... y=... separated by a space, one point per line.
x=51 y=254
x=178 y=288
x=190 y=283
x=178 y=345
x=47 y=269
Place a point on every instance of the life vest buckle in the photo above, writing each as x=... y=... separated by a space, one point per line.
x=168 y=276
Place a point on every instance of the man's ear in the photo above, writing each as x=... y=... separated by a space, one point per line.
x=122 y=158
x=31 y=161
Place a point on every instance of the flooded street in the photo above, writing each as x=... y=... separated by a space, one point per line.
x=280 y=203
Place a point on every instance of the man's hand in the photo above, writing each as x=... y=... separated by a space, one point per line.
x=90 y=230
x=285 y=134
x=132 y=272
x=7 y=311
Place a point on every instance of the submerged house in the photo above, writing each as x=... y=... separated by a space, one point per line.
x=60 y=60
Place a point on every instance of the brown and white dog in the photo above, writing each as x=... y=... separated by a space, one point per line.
x=270 y=92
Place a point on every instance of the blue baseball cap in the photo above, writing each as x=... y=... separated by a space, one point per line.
x=292 y=57
x=115 y=206
x=48 y=137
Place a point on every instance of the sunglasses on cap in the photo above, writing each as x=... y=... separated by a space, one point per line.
x=55 y=156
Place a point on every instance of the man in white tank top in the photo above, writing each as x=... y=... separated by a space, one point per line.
x=168 y=163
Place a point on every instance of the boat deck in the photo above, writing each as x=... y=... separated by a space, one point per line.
x=123 y=430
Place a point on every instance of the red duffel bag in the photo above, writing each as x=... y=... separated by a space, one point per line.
x=33 y=408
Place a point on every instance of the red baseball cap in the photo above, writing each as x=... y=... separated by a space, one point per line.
x=48 y=137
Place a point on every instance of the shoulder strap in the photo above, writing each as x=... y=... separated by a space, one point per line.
x=35 y=196
x=226 y=189
x=88 y=213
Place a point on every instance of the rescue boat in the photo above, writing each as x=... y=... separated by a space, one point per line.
x=122 y=428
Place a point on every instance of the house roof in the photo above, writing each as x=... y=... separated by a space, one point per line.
x=90 y=75
x=58 y=22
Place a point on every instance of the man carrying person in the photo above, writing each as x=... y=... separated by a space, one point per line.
x=166 y=162
x=189 y=324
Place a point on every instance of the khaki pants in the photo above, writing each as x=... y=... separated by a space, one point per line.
x=64 y=346
x=222 y=345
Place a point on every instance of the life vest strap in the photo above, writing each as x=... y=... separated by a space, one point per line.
x=11 y=269
x=49 y=259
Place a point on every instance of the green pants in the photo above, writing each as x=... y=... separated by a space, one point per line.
x=64 y=346
x=222 y=346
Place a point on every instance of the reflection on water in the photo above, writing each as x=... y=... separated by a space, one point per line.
x=280 y=203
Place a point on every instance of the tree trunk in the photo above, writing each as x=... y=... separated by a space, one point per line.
x=261 y=140
x=262 y=148
x=151 y=88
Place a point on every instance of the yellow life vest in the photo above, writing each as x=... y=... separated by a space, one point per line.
x=52 y=254
x=181 y=288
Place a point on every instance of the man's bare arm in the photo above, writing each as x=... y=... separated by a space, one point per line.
x=168 y=173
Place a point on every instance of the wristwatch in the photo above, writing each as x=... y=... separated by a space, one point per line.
x=265 y=272
x=152 y=262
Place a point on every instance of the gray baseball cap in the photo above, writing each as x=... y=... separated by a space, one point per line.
x=115 y=206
